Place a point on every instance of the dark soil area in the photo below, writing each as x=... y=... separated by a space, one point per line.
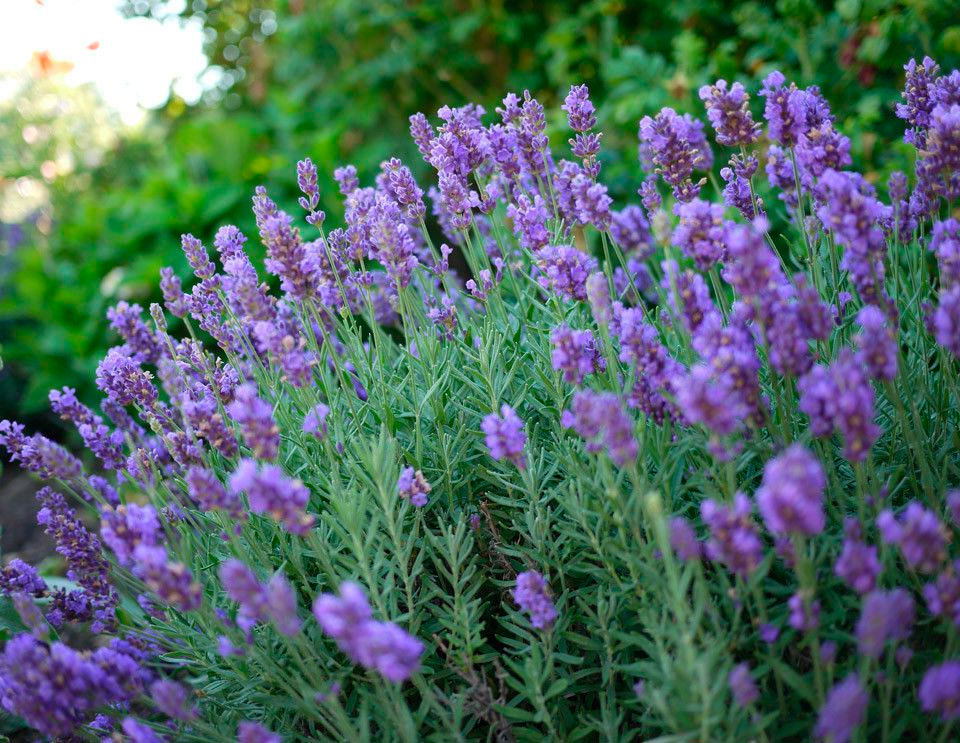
x=20 y=536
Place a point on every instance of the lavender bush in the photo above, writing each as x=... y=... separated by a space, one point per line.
x=661 y=470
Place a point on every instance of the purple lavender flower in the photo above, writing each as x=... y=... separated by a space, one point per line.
x=443 y=316
x=939 y=691
x=197 y=257
x=139 y=732
x=843 y=711
x=742 y=686
x=946 y=89
x=171 y=581
x=858 y=565
x=17 y=577
x=728 y=110
x=124 y=382
x=576 y=353
x=581 y=118
x=412 y=485
x=828 y=653
x=780 y=174
x=886 y=615
x=841 y=397
x=207 y=491
x=307 y=182
x=821 y=148
x=677 y=147
x=597 y=289
x=106 y=445
x=919 y=534
x=945 y=321
x=688 y=297
x=399 y=182
x=804 y=612
x=281 y=600
x=532 y=594
x=81 y=549
x=734 y=540
x=769 y=633
x=785 y=109
x=380 y=646
x=285 y=349
x=141 y=343
x=580 y=199
x=38 y=454
x=129 y=525
x=229 y=242
x=683 y=540
x=943 y=594
x=918 y=94
x=877 y=343
x=270 y=492
x=172 y=699
x=56 y=689
x=640 y=343
x=953 y=506
x=737 y=192
x=710 y=399
x=530 y=221
x=286 y=255
x=790 y=498
x=751 y=268
x=792 y=318
x=242 y=585
x=630 y=229
x=580 y=111
x=201 y=412
x=505 y=437
x=172 y=289
x=255 y=417
x=945 y=244
x=246 y=296
x=346 y=176
x=847 y=206
x=391 y=240
x=254 y=732
x=903 y=222
x=315 y=421
x=600 y=419
x=701 y=233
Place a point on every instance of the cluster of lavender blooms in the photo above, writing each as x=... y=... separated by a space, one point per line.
x=723 y=425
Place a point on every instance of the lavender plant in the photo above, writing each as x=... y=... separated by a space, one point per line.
x=661 y=470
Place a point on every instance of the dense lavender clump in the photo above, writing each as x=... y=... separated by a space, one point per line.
x=348 y=426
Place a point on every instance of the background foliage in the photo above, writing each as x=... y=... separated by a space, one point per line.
x=336 y=79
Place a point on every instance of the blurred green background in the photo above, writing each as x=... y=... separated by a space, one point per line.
x=336 y=80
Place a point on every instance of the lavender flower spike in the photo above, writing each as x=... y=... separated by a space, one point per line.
x=843 y=711
x=505 y=436
x=940 y=690
x=790 y=498
x=380 y=646
x=532 y=595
